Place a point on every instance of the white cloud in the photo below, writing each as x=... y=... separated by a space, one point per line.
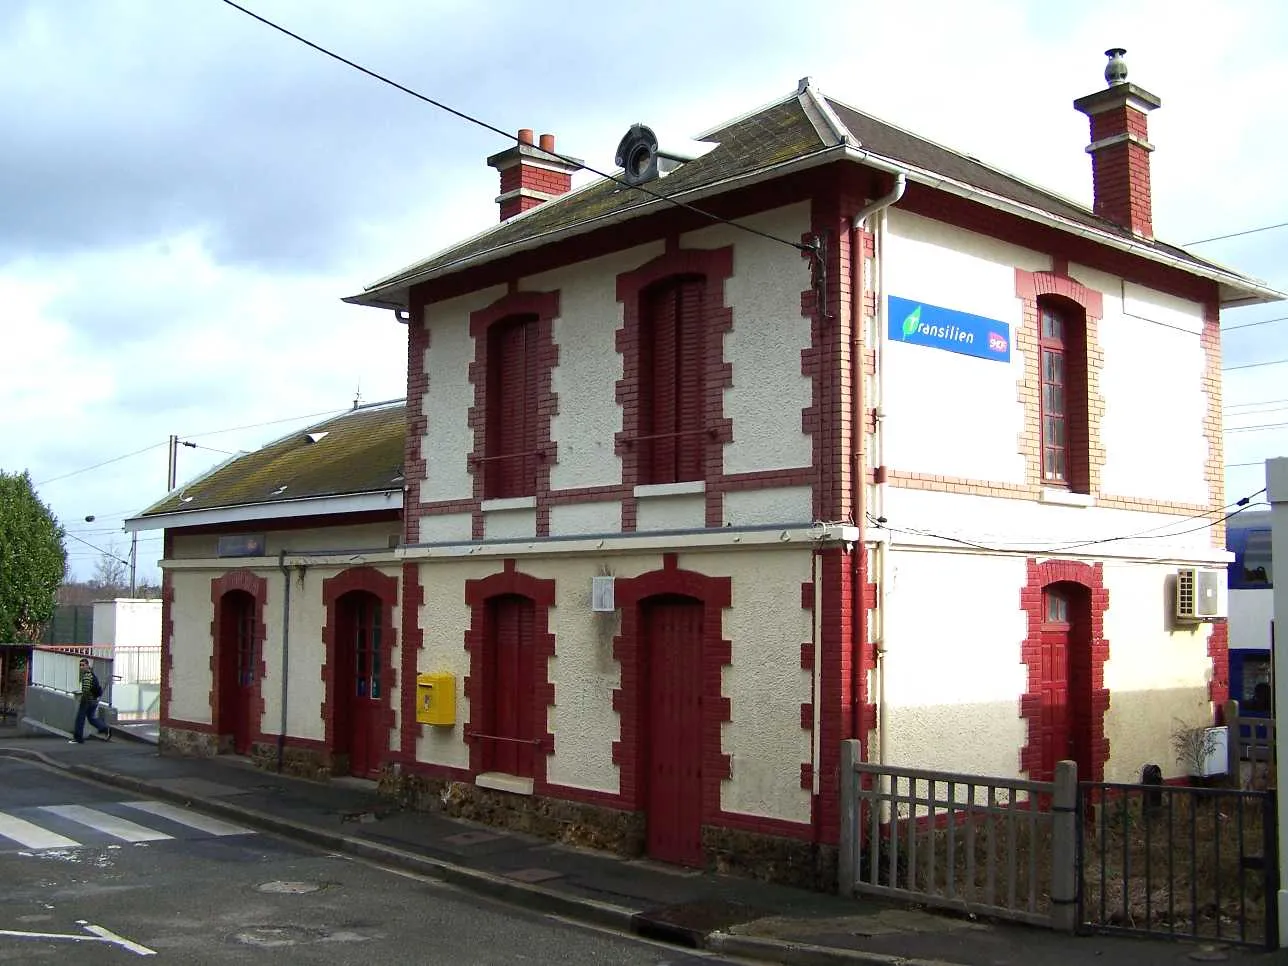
x=187 y=198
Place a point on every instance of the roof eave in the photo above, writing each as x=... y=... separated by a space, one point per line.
x=1234 y=289
x=394 y=295
x=362 y=502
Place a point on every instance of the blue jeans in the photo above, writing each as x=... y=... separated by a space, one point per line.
x=87 y=710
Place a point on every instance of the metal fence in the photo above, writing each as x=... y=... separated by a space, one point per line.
x=999 y=847
x=1250 y=739
x=1179 y=861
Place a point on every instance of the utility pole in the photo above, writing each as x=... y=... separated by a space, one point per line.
x=174 y=460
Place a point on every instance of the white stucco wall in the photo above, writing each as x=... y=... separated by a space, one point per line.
x=953 y=670
x=516 y=524
x=792 y=505
x=946 y=413
x=687 y=512
x=1032 y=525
x=447 y=528
x=448 y=438
x=1152 y=385
x=765 y=683
x=585 y=380
x=1157 y=672
x=764 y=348
x=191 y=648
x=603 y=516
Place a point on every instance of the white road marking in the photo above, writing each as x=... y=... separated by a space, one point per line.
x=184 y=816
x=97 y=935
x=107 y=936
x=120 y=828
x=32 y=836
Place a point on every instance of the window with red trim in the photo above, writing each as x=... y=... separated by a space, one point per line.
x=506 y=724
x=672 y=374
x=1062 y=361
x=510 y=458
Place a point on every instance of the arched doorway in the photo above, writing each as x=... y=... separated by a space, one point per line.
x=238 y=661
x=1066 y=678
x=671 y=683
x=360 y=681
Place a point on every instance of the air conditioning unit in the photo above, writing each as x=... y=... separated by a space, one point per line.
x=1201 y=594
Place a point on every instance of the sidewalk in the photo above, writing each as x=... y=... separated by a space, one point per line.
x=734 y=916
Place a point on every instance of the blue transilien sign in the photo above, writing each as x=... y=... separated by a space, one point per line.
x=935 y=327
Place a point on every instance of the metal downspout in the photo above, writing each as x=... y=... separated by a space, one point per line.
x=879 y=207
x=286 y=652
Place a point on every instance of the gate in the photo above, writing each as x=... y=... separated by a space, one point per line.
x=1178 y=861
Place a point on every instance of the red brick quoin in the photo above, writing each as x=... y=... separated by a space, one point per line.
x=542 y=594
x=385 y=589
x=1040 y=576
x=257 y=587
x=413 y=641
x=714 y=265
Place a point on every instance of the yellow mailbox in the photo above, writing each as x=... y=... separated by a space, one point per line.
x=436 y=699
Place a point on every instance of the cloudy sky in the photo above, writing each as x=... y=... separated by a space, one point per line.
x=185 y=195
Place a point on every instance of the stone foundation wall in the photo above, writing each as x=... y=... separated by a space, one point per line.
x=312 y=763
x=572 y=823
x=771 y=858
x=183 y=743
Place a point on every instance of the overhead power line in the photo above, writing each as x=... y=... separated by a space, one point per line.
x=1255 y=365
x=1261 y=402
x=1249 y=325
x=271 y=422
x=1233 y=234
x=114 y=459
x=1251 y=429
x=507 y=135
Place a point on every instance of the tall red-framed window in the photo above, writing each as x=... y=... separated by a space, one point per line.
x=672 y=379
x=511 y=448
x=1062 y=363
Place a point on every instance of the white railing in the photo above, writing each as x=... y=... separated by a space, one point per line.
x=57 y=668
x=136 y=663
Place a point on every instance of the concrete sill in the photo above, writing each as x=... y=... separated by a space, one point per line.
x=645 y=491
x=510 y=503
x=1059 y=497
x=501 y=782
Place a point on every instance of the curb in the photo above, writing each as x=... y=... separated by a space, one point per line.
x=487 y=884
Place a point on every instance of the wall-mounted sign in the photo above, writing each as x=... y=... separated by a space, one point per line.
x=241 y=545
x=936 y=327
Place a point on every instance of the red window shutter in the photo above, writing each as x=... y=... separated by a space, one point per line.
x=689 y=381
x=510 y=468
x=672 y=364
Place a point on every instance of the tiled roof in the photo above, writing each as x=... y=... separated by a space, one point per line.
x=791 y=130
x=361 y=452
x=782 y=132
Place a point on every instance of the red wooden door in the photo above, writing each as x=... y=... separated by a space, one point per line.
x=1055 y=695
x=359 y=686
x=673 y=635
x=508 y=744
x=238 y=656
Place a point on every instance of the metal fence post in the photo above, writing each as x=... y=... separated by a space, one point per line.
x=847 y=861
x=1064 y=848
x=1233 y=768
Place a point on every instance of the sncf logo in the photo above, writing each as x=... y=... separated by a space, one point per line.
x=996 y=342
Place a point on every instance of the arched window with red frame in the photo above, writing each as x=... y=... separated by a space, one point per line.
x=1062 y=363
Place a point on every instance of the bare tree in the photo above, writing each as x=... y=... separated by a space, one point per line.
x=110 y=573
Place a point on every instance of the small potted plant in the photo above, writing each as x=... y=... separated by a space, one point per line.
x=1199 y=751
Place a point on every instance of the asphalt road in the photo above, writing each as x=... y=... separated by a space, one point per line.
x=91 y=874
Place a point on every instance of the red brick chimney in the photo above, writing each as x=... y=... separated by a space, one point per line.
x=1120 y=147
x=531 y=175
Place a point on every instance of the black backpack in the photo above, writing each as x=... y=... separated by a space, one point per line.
x=95 y=689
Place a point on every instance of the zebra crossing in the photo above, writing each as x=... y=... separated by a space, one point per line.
x=44 y=828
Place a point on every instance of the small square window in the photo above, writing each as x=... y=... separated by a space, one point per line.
x=1057 y=607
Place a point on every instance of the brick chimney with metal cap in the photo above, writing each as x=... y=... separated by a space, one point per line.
x=531 y=174
x=1120 y=147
